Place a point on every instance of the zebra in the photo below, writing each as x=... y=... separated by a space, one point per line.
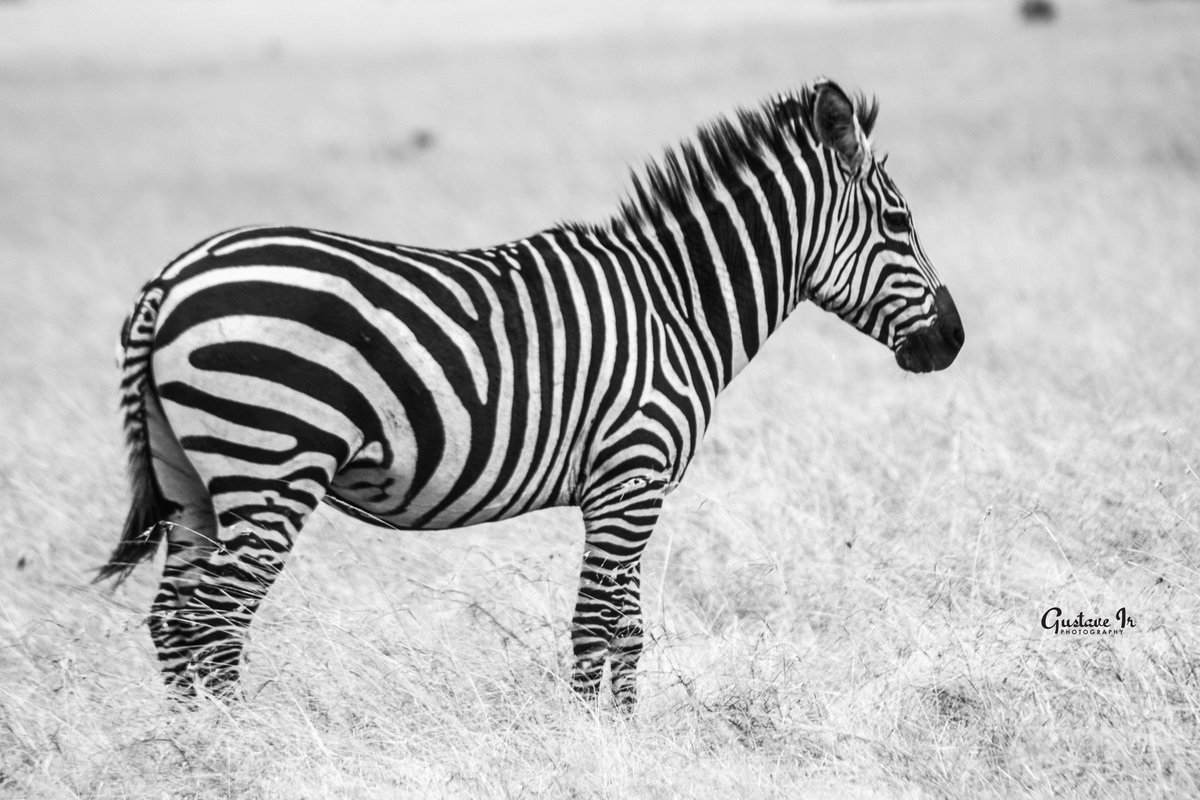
x=268 y=369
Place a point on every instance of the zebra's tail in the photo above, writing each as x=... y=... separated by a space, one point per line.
x=143 y=530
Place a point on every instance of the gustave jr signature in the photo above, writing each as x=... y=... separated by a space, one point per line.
x=1053 y=620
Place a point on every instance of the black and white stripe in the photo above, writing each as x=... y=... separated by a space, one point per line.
x=268 y=369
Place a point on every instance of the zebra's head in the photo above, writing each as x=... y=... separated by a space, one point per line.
x=871 y=270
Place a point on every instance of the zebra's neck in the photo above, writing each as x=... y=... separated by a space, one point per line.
x=728 y=258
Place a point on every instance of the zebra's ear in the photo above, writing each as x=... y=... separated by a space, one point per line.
x=837 y=127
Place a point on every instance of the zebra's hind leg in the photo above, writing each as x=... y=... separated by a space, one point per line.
x=607 y=624
x=191 y=534
x=211 y=588
x=227 y=541
x=230 y=583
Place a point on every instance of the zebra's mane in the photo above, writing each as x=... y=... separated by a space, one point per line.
x=717 y=154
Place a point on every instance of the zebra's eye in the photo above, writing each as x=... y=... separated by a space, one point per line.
x=896 y=221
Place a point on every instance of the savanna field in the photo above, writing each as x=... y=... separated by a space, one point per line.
x=844 y=597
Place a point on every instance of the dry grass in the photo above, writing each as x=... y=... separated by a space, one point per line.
x=843 y=596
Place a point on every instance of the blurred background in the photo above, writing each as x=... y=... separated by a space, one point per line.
x=843 y=596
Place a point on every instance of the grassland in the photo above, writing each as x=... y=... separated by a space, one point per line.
x=843 y=597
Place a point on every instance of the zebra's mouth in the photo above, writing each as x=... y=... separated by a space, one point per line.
x=936 y=346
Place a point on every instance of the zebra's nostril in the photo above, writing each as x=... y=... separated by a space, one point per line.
x=954 y=335
x=949 y=322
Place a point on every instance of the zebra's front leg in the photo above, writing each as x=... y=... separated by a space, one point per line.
x=607 y=625
x=627 y=642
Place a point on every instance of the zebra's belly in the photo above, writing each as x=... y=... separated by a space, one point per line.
x=386 y=499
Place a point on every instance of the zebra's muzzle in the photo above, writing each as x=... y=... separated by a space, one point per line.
x=935 y=347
